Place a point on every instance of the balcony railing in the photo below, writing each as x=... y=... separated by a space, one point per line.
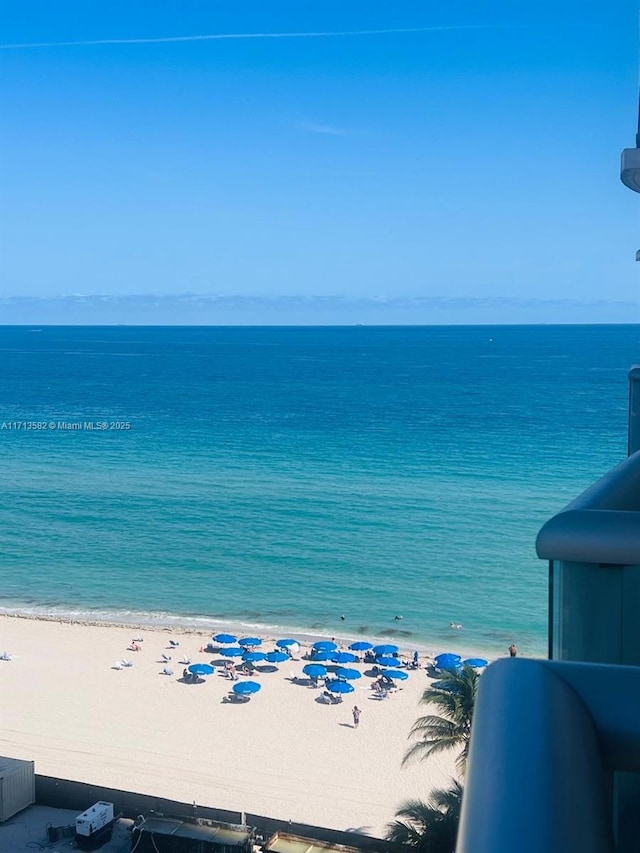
x=555 y=751
x=554 y=763
x=593 y=548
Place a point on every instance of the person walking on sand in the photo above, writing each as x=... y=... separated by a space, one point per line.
x=356 y=716
x=513 y=650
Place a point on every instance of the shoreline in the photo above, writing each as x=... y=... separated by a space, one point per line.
x=203 y=626
x=283 y=754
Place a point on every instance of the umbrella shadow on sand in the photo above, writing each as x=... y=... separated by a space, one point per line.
x=336 y=699
x=303 y=681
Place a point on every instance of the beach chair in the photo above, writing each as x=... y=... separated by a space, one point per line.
x=166 y=658
x=166 y=671
x=126 y=662
x=174 y=644
x=117 y=665
x=185 y=661
x=5 y=656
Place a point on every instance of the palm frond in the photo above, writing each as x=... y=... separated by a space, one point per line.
x=461 y=760
x=448 y=800
x=429 y=827
x=425 y=748
x=451 y=727
x=431 y=725
x=403 y=833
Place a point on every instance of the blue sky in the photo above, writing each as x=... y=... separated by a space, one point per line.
x=473 y=164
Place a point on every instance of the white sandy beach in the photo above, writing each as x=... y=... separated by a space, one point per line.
x=282 y=754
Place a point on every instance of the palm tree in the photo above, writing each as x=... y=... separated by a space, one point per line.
x=452 y=727
x=432 y=827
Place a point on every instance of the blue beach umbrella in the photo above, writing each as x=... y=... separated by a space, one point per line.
x=385 y=649
x=361 y=646
x=232 y=652
x=225 y=638
x=276 y=657
x=201 y=669
x=349 y=674
x=323 y=654
x=344 y=657
x=340 y=687
x=384 y=661
x=315 y=670
x=396 y=674
x=250 y=641
x=284 y=644
x=476 y=663
x=246 y=687
x=253 y=657
x=447 y=661
x=325 y=645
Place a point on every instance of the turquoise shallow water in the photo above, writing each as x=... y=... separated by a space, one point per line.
x=283 y=477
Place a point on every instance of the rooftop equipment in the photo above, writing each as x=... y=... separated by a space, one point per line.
x=286 y=842
x=94 y=827
x=17 y=786
x=158 y=834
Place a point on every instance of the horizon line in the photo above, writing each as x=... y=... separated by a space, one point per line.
x=40 y=326
x=380 y=300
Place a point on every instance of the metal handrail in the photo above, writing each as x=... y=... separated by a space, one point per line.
x=602 y=525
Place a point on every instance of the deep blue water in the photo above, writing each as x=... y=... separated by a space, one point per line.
x=288 y=476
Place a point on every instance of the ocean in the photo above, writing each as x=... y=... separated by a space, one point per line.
x=278 y=479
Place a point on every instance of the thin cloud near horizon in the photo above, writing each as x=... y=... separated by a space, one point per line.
x=339 y=300
x=220 y=36
x=323 y=129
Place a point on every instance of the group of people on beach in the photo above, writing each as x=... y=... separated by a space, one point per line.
x=382 y=684
x=189 y=677
x=230 y=670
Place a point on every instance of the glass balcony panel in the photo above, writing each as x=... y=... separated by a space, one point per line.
x=594 y=613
